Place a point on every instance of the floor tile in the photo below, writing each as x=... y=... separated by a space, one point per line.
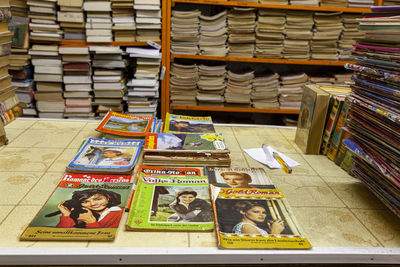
x=383 y=224
x=307 y=191
x=354 y=193
x=252 y=131
x=13 y=133
x=126 y=238
x=277 y=142
x=91 y=125
x=223 y=129
x=63 y=160
x=15 y=185
x=66 y=125
x=288 y=133
x=333 y=227
x=82 y=136
x=27 y=159
x=43 y=189
x=4 y=211
x=20 y=123
x=324 y=166
x=44 y=138
x=238 y=159
x=232 y=143
x=206 y=239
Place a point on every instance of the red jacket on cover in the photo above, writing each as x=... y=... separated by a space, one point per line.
x=111 y=220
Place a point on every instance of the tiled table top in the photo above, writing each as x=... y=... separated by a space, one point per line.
x=334 y=209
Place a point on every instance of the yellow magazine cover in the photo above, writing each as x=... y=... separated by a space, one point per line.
x=251 y=218
x=187 y=124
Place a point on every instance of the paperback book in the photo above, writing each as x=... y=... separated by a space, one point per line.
x=255 y=219
x=82 y=207
x=124 y=125
x=183 y=204
x=106 y=156
x=188 y=124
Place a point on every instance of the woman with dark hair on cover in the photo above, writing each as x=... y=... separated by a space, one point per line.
x=253 y=220
x=91 y=208
x=188 y=208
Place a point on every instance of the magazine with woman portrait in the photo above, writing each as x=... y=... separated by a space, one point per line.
x=183 y=204
x=82 y=207
x=104 y=155
x=255 y=219
x=188 y=124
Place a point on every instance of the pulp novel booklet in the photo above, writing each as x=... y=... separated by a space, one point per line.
x=238 y=177
x=188 y=124
x=106 y=156
x=125 y=125
x=82 y=207
x=251 y=218
x=171 y=203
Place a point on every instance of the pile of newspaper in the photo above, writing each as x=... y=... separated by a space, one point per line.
x=241 y=24
x=185 y=32
x=338 y=3
x=213 y=34
x=183 y=84
x=265 y=91
x=349 y=32
x=298 y=34
x=270 y=33
x=238 y=88
x=211 y=85
x=291 y=90
x=304 y=2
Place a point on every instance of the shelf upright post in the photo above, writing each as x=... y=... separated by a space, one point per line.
x=166 y=55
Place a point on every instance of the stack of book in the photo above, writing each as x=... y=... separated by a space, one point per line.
x=361 y=3
x=298 y=29
x=148 y=20
x=71 y=18
x=211 y=85
x=213 y=34
x=304 y=2
x=185 y=32
x=48 y=75
x=144 y=87
x=19 y=8
x=43 y=24
x=238 y=88
x=77 y=81
x=338 y=3
x=183 y=84
x=98 y=21
x=190 y=149
x=124 y=27
x=391 y=2
x=25 y=92
x=108 y=78
x=270 y=33
x=291 y=90
x=328 y=27
x=241 y=25
x=349 y=32
x=374 y=118
x=265 y=92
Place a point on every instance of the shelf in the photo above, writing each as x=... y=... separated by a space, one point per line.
x=265 y=60
x=234 y=109
x=291 y=7
x=84 y=43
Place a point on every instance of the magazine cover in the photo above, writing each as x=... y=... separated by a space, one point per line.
x=183 y=204
x=188 y=124
x=104 y=155
x=183 y=143
x=125 y=125
x=255 y=219
x=238 y=177
x=145 y=170
x=82 y=207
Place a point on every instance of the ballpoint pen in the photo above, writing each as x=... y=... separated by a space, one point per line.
x=284 y=165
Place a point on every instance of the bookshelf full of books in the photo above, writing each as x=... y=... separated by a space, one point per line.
x=286 y=34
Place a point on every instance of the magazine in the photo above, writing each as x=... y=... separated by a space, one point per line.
x=106 y=156
x=238 y=177
x=255 y=219
x=183 y=204
x=125 y=125
x=188 y=124
x=82 y=207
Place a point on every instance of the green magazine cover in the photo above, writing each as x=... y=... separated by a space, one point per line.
x=183 y=204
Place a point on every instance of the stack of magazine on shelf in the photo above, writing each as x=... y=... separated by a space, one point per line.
x=106 y=156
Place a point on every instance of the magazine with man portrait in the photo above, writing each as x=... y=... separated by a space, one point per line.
x=107 y=156
x=91 y=206
x=181 y=204
x=251 y=216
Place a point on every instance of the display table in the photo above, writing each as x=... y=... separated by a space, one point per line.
x=344 y=222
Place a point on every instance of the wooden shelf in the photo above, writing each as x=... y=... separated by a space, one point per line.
x=291 y=7
x=265 y=60
x=234 y=109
